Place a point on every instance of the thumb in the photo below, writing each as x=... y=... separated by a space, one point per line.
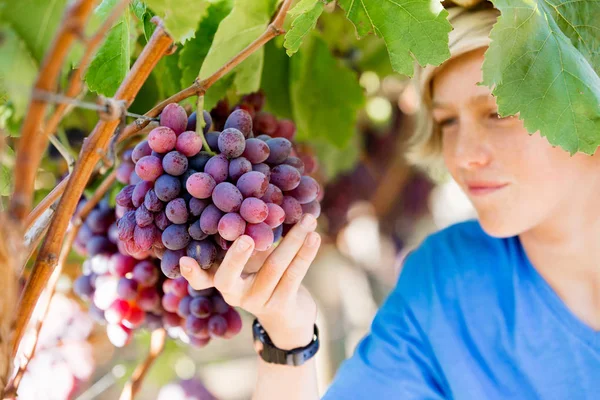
x=197 y=277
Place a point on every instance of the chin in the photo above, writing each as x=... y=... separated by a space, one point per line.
x=500 y=226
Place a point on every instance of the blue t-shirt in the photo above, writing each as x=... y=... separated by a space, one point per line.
x=470 y=318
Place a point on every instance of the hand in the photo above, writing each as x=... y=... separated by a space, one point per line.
x=274 y=294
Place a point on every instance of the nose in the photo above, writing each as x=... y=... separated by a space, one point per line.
x=472 y=149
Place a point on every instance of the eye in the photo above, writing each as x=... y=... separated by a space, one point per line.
x=446 y=122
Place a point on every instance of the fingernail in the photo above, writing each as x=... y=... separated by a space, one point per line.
x=184 y=265
x=308 y=221
x=243 y=244
x=312 y=240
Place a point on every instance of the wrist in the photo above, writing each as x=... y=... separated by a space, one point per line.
x=288 y=338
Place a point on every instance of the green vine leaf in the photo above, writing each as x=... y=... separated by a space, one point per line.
x=275 y=80
x=195 y=50
x=325 y=96
x=543 y=63
x=246 y=22
x=411 y=29
x=180 y=17
x=18 y=70
x=303 y=24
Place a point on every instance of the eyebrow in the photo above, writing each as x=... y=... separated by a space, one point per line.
x=472 y=100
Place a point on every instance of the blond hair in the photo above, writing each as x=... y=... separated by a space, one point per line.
x=471 y=30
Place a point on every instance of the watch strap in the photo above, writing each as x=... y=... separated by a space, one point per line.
x=272 y=354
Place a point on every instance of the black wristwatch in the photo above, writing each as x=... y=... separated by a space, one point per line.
x=272 y=354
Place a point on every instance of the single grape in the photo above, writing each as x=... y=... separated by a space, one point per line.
x=142 y=149
x=212 y=139
x=162 y=139
x=139 y=192
x=152 y=202
x=161 y=220
x=143 y=217
x=175 y=117
x=238 y=167
x=253 y=210
x=196 y=327
x=263 y=169
x=171 y=320
x=285 y=129
x=240 y=120
x=99 y=245
x=256 y=99
x=145 y=273
x=176 y=211
x=126 y=225
x=121 y=264
x=167 y=187
x=170 y=263
x=296 y=163
x=189 y=143
x=232 y=225
x=83 y=287
x=218 y=168
x=280 y=149
x=196 y=232
x=127 y=289
x=175 y=163
x=191 y=124
x=202 y=292
x=209 y=220
x=231 y=143
x=178 y=286
x=196 y=206
x=314 y=208
x=184 y=306
x=198 y=162
x=200 y=307
x=273 y=195
x=149 y=168
x=203 y=251
x=200 y=185
x=100 y=219
x=293 y=209
x=262 y=234
x=285 y=177
x=145 y=236
x=117 y=312
x=176 y=237
x=256 y=151
x=306 y=191
x=265 y=122
x=217 y=325
x=275 y=216
x=124 y=196
x=170 y=302
x=135 y=319
x=222 y=243
x=227 y=197
x=124 y=171
x=134 y=179
x=253 y=184
x=310 y=163
x=219 y=304
x=234 y=323
x=263 y=137
x=249 y=108
x=148 y=298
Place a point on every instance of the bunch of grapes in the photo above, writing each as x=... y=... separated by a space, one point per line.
x=128 y=293
x=183 y=200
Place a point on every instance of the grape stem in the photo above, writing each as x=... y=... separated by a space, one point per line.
x=32 y=143
x=90 y=155
x=28 y=354
x=200 y=123
x=157 y=345
x=199 y=87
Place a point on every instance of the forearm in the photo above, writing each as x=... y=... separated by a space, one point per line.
x=278 y=382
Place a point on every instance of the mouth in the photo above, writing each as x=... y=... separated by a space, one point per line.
x=484 y=188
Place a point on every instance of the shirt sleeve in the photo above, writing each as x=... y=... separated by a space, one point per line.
x=394 y=361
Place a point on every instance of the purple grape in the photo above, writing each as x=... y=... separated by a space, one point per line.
x=262 y=234
x=200 y=307
x=83 y=287
x=191 y=125
x=219 y=304
x=212 y=139
x=143 y=217
x=196 y=232
x=124 y=197
x=142 y=149
x=124 y=171
x=275 y=216
x=263 y=169
x=184 y=306
x=139 y=193
x=314 y=208
x=200 y=185
x=263 y=137
x=158 y=155
x=145 y=236
x=296 y=163
x=218 y=168
x=125 y=226
x=234 y=322
x=152 y=202
x=285 y=177
x=174 y=163
x=121 y=265
x=231 y=226
x=176 y=211
x=127 y=289
x=217 y=325
x=100 y=219
x=238 y=167
x=170 y=263
x=285 y=129
x=306 y=191
x=149 y=168
x=161 y=220
x=134 y=179
x=293 y=209
x=280 y=149
x=197 y=206
x=176 y=237
x=256 y=151
x=273 y=195
x=253 y=210
x=167 y=187
x=198 y=162
x=265 y=122
x=145 y=273
x=253 y=184
x=148 y=299
x=231 y=143
x=240 y=120
x=203 y=251
x=162 y=139
x=175 y=117
x=189 y=143
x=223 y=243
x=196 y=327
x=99 y=245
x=209 y=220
x=227 y=197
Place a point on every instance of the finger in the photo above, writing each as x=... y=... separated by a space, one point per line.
x=292 y=277
x=197 y=277
x=272 y=270
x=228 y=276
